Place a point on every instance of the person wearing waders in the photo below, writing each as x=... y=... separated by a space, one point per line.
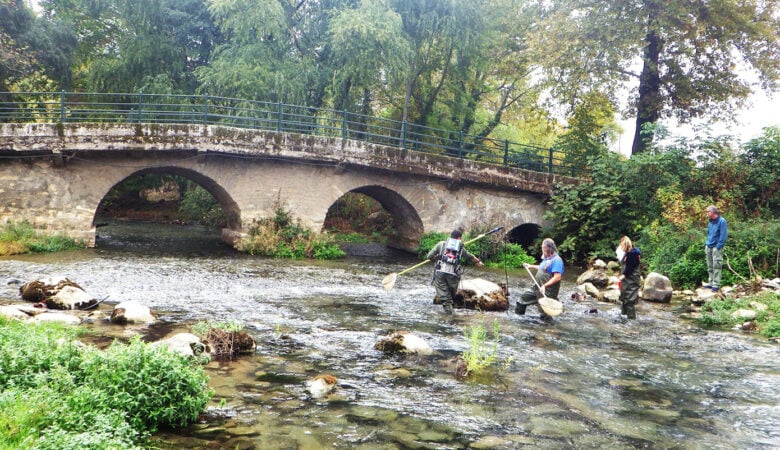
x=548 y=276
x=447 y=256
x=629 y=279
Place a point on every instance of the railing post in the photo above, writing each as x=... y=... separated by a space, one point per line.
x=344 y=125
x=206 y=109
x=403 y=134
x=279 y=117
x=460 y=144
x=506 y=152
x=62 y=106
x=140 y=105
x=550 y=161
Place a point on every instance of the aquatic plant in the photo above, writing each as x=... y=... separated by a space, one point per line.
x=480 y=353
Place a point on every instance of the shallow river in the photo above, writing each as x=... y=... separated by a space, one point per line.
x=589 y=380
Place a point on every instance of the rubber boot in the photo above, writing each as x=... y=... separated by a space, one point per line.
x=520 y=308
x=448 y=310
x=623 y=309
x=631 y=311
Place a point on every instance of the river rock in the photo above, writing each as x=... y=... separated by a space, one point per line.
x=12 y=312
x=132 y=312
x=185 y=344
x=612 y=295
x=481 y=295
x=58 y=317
x=403 y=342
x=321 y=385
x=657 y=288
x=71 y=297
x=598 y=277
x=40 y=290
x=745 y=314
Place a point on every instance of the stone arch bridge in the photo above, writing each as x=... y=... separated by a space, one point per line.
x=55 y=176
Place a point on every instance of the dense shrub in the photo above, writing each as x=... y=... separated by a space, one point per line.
x=58 y=394
x=281 y=236
x=492 y=250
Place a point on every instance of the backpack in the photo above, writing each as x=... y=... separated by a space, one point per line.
x=449 y=260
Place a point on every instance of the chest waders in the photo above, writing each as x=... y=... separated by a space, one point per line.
x=531 y=296
x=629 y=295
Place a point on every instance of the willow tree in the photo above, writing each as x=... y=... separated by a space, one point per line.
x=149 y=45
x=684 y=55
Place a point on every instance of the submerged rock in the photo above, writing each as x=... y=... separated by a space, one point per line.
x=321 y=385
x=403 y=342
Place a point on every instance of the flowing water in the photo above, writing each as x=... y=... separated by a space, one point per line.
x=589 y=380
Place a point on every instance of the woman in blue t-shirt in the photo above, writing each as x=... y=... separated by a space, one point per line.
x=548 y=276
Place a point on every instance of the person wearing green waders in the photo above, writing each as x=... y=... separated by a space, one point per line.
x=447 y=256
x=630 y=276
x=548 y=276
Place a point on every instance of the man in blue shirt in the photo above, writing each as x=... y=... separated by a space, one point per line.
x=717 y=232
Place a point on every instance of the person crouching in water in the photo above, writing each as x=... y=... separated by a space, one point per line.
x=447 y=256
x=630 y=274
x=548 y=276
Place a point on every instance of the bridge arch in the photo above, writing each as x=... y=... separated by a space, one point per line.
x=229 y=206
x=408 y=224
x=524 y=234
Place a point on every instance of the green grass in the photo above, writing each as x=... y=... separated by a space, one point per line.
x=21 y=237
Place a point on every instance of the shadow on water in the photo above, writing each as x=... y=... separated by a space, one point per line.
x=590 y=380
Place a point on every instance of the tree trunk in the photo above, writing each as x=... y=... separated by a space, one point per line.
x=650 y=102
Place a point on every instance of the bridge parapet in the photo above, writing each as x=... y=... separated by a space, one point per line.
x=64 y=141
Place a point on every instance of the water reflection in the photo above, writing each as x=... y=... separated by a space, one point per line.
x=588 y=381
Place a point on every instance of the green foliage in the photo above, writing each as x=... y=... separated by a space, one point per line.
x=679 y=254
x=718 y=312
x=198 y=205
x=281 y=236
x=154 y=386
x=591 y=216
x=355 y=215
x=429 y=240
x=21 y=237
x=480 y=353
x=202 y=328
x=511 y=256
x=58 y=394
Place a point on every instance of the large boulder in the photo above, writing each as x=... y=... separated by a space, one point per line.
x=597 y=277
x=657 y=288
x=132 y=312
x=57 y=292
x=71 y=297
x=481 y=295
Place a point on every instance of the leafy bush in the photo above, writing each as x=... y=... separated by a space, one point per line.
x=57 y=393
x=153 y=385
x=197 y=205
x=281 y=236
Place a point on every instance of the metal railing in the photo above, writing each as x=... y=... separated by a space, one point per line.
x=87 y=107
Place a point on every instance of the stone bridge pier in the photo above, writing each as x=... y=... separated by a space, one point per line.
x=55 y=178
